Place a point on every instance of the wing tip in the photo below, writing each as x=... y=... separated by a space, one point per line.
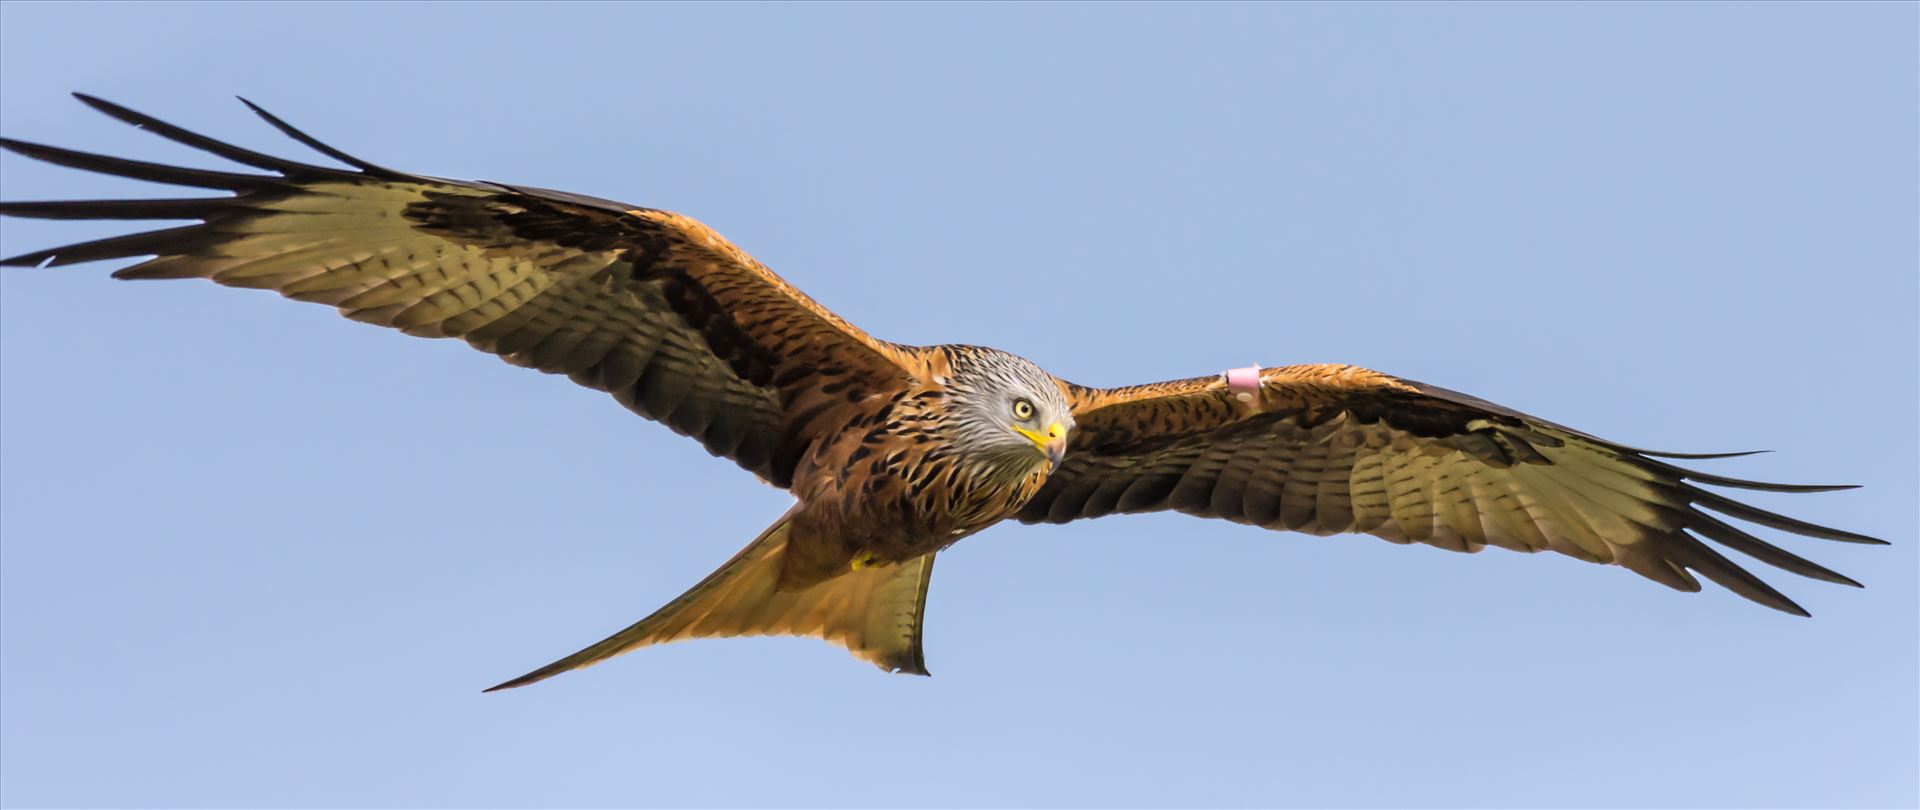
x=36 y=260
x=108 y=107
x=515 y=683
x=915 y=666
x=1696 y=456
x=1753 y=514
x=1792 y=608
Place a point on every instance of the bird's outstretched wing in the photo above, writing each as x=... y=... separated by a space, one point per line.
x=1330 y=449
x=676 y=322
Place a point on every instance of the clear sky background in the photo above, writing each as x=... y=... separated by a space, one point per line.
x=254 y=554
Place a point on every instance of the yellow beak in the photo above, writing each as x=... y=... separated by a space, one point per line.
x=1053 y=442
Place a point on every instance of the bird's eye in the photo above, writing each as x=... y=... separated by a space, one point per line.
x=1022 y=409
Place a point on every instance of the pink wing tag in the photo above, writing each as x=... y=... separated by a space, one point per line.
x=1244 y=383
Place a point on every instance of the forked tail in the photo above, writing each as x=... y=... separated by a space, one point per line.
x=873 y=612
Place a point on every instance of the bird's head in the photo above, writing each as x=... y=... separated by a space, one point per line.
x=1010 y=414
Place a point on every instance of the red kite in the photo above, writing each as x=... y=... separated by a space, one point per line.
x=895 y=452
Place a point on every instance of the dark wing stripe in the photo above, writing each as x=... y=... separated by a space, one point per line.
x=136 y=169
x=1733 y=508
x=206 y=144
x=183 y=239
x=1690 y=456
x=1715 y=566
x=201 y=208
x=374 y=169
x=1741 y=483
x=1719 y=532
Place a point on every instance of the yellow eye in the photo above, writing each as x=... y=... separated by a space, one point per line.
x=1022 y=410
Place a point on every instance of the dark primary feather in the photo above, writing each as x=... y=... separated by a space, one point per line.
x=287 y=129
x=205 y=144
x=201 y=208
x=137 y=169
x=672 y=320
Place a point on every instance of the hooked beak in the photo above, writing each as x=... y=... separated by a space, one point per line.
x=1053 y=442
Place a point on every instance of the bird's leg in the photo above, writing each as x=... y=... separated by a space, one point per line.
x=864 y=559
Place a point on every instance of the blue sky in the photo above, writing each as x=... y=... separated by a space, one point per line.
x=252 y=554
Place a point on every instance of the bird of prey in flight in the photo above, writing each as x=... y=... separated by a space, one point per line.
x=894 y=452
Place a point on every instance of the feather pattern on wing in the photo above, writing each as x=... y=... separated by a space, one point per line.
x=653 y=307
x=1327 y=449
x=894 y=452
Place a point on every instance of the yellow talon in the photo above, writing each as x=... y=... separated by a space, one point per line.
x=864 y=560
